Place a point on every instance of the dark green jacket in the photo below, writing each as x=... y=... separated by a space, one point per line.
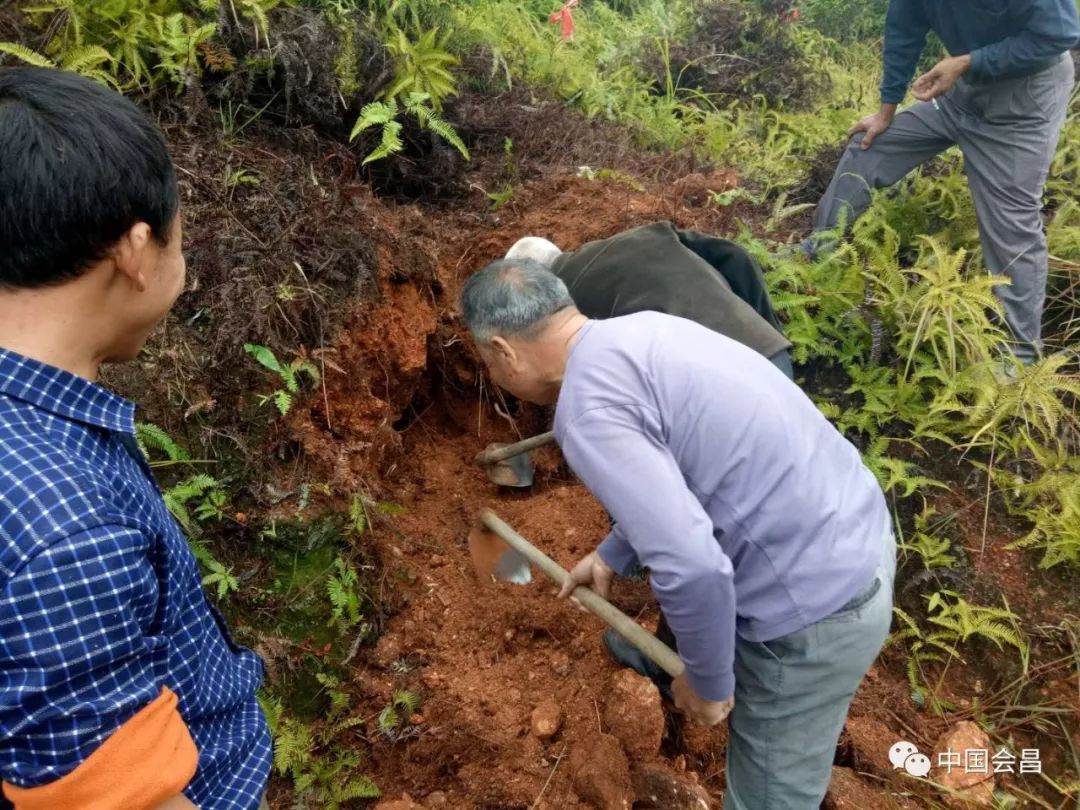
x=661 y=269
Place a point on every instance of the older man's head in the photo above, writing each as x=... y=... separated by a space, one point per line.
x=523 y=320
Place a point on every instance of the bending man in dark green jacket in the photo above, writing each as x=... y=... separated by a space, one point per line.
x=659 y=268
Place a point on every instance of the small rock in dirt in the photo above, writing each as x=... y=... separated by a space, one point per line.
x=436 y=800
x=431 y=679
x=560 y=663
x=404 y=803
x=658 y=788
x=847 y=791
x=546 y=720
x=957 y=741
x=602 y=773
x=634 y=713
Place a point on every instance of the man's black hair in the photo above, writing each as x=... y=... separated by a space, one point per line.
x=79 y=166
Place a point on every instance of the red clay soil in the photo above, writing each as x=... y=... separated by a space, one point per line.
x=484 y=655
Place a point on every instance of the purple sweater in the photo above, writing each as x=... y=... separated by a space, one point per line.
x=753 y=514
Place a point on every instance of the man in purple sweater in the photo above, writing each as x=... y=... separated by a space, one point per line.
x=766 y=538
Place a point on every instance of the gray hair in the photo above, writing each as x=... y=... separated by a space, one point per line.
x=512 y=297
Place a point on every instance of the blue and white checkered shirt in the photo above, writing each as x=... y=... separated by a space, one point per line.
x=101 y=604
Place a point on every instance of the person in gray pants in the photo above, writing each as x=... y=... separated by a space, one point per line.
x=1002 y=98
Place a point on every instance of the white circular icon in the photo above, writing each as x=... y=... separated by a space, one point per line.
x=899 y=753
x=917 y=765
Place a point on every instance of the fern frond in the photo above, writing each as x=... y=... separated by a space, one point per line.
x=359 y=787
x=391 y=143
x=24 y=54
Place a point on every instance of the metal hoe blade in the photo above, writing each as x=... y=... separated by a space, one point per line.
x=516 y=471
x=511 y=465
x=494 y=558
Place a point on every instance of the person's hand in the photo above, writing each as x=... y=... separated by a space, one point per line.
x=591 y=571
x=697 y=708
x=873 y=125
x=940 y=79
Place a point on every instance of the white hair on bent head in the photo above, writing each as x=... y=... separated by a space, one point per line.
x=512 y=297
x=536 y=248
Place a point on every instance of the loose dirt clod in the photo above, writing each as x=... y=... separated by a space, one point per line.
x=546 y=720
x=634 y=714
x=602 y=773
x=659 y=788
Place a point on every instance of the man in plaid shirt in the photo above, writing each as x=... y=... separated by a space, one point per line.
x=120 y=688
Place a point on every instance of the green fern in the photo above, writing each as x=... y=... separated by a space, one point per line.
x=24 y=54
x=953 y=621
x=153 y=439
x=380 y=114
x=927 y=542
x=423 y=66
x=293 y=746
x=942 y=311
x=384 y=114
x=422 y=106
x=1023 y=412
x=91 y=61
x=342 y=589
x=358 y=517
x=178 y=497
x=289 y=374
x=402 y=704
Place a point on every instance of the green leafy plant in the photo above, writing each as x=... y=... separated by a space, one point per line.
x=135 y=43
x=290 y=375
x=193 y=501
x=422 y=67
x=324 y=762
x=153 y=440
x=91 y=61
x=342 y=588
x=1051 y=502
x=384 y=114
x=953 y=621
x=944 y=312
x=402 y=706
x=928 y=543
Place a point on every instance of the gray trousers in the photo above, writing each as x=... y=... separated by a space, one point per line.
x=792 y=696
x=1008 y=132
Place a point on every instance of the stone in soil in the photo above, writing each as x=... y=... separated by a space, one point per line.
x=546 y=720
x=965 y=787
x=658 y=788
x=634 y=713
x=602 y=773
